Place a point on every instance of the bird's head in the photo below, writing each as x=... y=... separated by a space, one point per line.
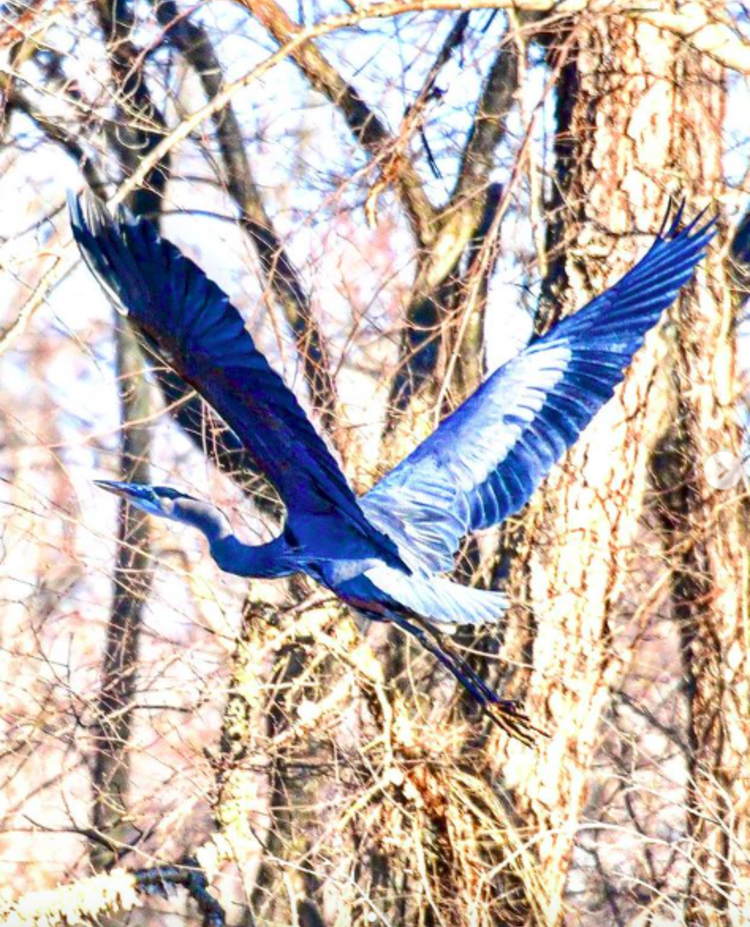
x=162 y=501
x=165 y=502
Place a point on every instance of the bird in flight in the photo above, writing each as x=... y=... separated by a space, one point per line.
x=381 y=553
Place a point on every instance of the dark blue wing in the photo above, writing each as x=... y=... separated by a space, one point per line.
x=484 y=462
x=195 y=329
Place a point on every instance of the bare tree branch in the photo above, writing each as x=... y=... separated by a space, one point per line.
x=706 y=27
x=187 y=408
x=193 y=43
x=16 y=100
x=730 y=50
x=310 y=795
x=368 y=129
x=132 y=580
x=459 y=222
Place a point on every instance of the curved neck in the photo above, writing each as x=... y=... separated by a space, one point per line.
x=263 y=561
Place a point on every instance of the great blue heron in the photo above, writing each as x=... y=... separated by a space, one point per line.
x=381 y=553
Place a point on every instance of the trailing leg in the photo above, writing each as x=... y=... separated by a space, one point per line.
x=502 y=712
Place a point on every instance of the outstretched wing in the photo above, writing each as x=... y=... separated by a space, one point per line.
x=194 y=328
x=484 y=461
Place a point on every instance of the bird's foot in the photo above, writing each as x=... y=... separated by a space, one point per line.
x=509 y=718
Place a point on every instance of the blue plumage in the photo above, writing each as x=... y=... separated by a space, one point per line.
x=380 y=553
x=490 y=455
x=193 y=327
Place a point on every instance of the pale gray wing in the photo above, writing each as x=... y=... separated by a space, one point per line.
x=485 y=460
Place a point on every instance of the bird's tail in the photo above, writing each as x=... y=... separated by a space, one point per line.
x=447 y=604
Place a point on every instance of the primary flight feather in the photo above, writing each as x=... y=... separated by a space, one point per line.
x=381 y=553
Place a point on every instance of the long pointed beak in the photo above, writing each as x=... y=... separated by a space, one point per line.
x=127 y=490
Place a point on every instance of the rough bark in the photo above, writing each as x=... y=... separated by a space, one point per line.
x=614 y=151
x=706 y=531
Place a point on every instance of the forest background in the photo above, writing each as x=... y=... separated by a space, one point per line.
x=395 y=195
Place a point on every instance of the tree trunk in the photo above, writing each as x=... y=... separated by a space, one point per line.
x=706 y=528
x=616 y=153
x=114 y=729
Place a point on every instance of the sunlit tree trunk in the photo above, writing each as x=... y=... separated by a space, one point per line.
x=616 y=160
x=707 y=531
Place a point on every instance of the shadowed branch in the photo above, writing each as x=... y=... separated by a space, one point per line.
x=438 y=284
x=109 y=894
x=133 y=569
